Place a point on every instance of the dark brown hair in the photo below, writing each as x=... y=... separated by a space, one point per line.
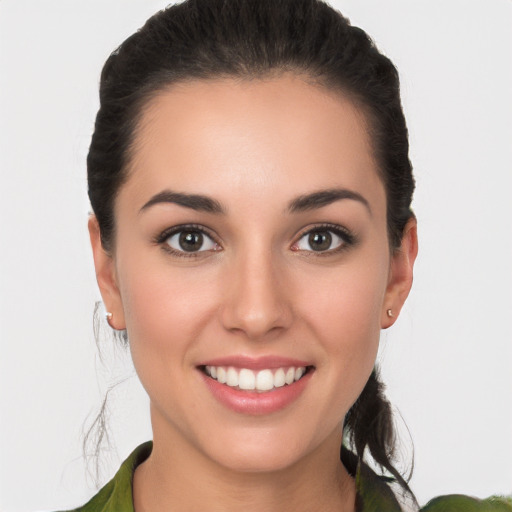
x=205 y=39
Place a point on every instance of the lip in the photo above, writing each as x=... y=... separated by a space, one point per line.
x=270 y=362
x=251 y=402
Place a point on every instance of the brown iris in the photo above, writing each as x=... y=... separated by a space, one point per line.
x=191 y=241
x=320 y=240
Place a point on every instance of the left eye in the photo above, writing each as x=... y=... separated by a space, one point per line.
x=191 y=240
x=319 y=240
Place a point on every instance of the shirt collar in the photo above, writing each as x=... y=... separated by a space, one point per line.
x=373 y=491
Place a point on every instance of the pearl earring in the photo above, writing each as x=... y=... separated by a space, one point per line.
x=389 y=312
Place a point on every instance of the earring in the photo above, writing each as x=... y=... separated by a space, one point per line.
x=389 y=312
x=109 y=316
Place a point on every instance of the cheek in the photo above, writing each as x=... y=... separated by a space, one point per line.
x=349 y=328
x=346 y=303
x=166 y=308
x=343 y=309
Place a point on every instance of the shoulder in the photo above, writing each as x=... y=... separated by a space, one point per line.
x=378 y=494
x=460 y=503
x=117 y=494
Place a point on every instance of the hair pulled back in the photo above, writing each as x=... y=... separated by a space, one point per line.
x=250 y=39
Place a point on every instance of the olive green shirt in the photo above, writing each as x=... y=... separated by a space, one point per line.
x=373 y=493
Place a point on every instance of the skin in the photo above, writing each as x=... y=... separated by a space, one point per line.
x=258 y=289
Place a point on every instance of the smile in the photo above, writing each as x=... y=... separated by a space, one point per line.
x=259 y=381
x=256 y=386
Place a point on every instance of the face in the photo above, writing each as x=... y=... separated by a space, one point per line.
x=251 y=267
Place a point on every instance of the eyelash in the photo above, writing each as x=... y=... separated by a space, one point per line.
x=168 y=233
x=348 y=239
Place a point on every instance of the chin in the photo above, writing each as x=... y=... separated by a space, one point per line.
x=262 y=461
x=264 y=451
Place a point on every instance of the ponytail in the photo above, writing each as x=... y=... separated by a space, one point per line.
x=369 y=425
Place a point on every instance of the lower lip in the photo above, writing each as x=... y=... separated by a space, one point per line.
x=257 y=403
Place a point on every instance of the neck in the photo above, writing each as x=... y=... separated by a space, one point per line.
x=178 y=477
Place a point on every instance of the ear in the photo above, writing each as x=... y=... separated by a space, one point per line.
x=400 y=274
x=106 y=276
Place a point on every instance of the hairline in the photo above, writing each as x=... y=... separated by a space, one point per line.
x=149 y=94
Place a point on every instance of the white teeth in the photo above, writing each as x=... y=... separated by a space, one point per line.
x=279 y=378
x=290 y=376
x=246 y=379
x=232 y=378
x=221 y=374
x=264 y=380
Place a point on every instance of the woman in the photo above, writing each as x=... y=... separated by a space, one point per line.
x=252 y=234
x=256 y=225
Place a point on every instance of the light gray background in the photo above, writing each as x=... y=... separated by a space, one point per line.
x=448 y=360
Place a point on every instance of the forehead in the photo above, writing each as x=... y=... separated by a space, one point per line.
x=281 y=136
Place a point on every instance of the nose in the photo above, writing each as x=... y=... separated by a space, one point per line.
x=256 y=301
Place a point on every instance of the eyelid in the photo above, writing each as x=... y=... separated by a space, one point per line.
x=348 y=237
x=341 y=231
x=162 y=238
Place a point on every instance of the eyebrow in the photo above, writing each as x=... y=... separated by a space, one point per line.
x=193 y=201
x=323 y=198
x=306 y=202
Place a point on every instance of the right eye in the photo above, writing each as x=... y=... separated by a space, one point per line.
x=320 y=240
x=191 y=241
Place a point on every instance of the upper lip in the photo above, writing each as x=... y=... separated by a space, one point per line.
x=256 y=363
